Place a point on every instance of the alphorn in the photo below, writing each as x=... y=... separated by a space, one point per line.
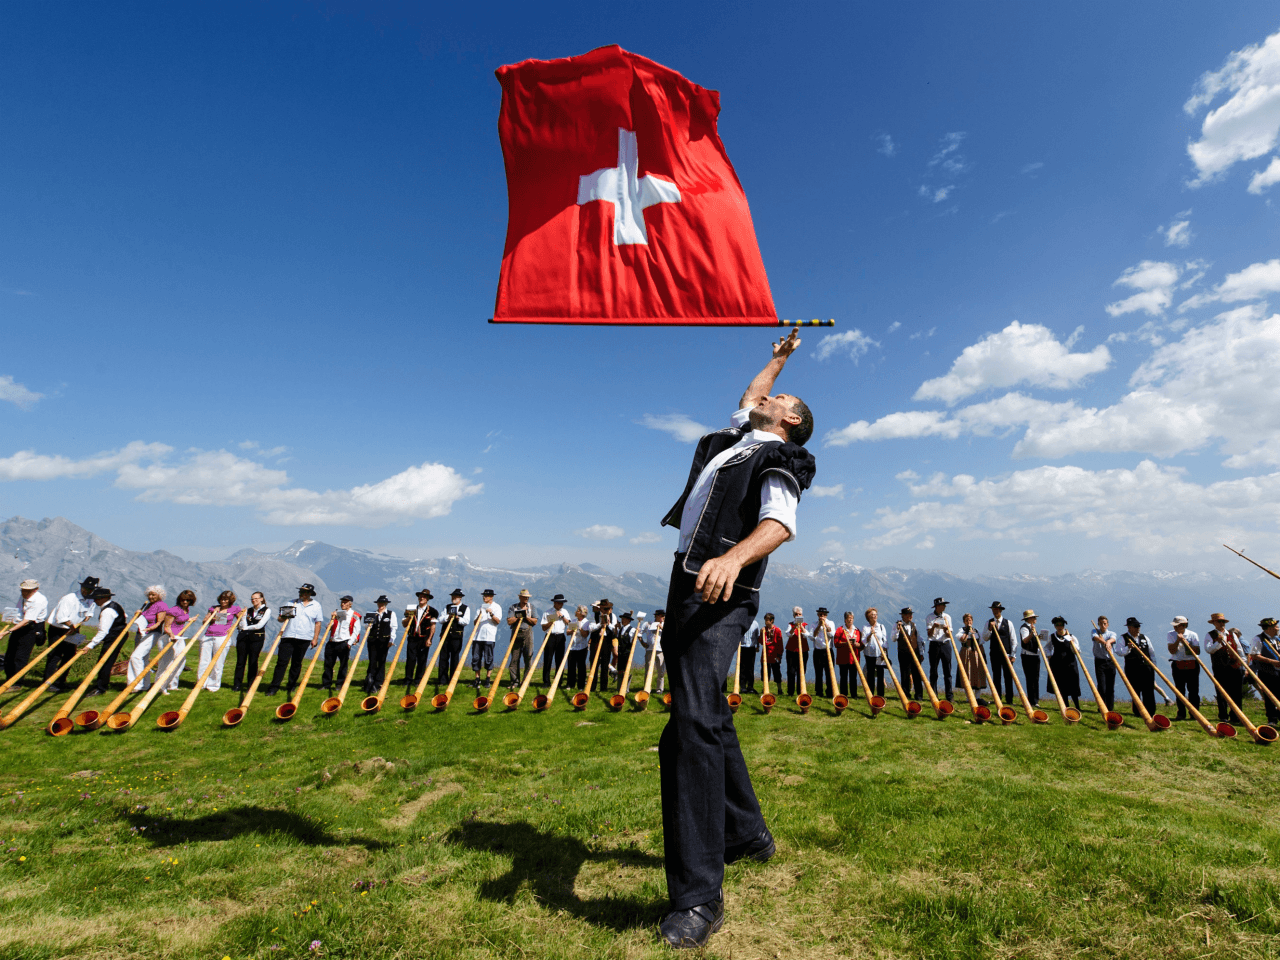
x=1257 y=680
x=980 y=713
x=27 y=667
x=1069 y=714
x=624 y=686
x=331 y=705
x=1154 y=722
x=124 y=722
x=411 y=700
x=735 y=698
x=642 y=698
x=1254 y=562
x=804 y=701
x=233 y=716
x=481 y=702
x=943 y=708
x=767 y=699
x=512 y=700
x=93 y=719
x=1035 y=713
x=34 y=695
x=61 y=724
x=1006 y=714
x=1224 y=729
x=1112 y=719
x=543 y=700
x=172 y=719
x=910 y=707
x=1265 y=734
x=838 y=701
x=582 y=697
x=287 y=709
x=373 y=702
x=874 y=700
x=441 y=700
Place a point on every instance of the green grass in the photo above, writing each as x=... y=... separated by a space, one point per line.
x=536 y=836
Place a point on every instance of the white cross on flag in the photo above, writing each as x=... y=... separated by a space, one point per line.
x=623 y=205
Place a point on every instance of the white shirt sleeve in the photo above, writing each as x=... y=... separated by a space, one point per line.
x=778 y=501
x=105 y=619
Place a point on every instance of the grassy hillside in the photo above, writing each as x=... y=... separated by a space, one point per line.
x=527 y=835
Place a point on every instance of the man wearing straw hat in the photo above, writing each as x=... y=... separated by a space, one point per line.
x=1027 y=637
x=1000 y=630
x=1264 y=657
x=28 y=632
x=64 y=627
x=738 y=506
x=1186 y=669
x=1226 y=656
x=521 y=612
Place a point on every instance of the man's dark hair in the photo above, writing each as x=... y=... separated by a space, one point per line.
x=802 y=431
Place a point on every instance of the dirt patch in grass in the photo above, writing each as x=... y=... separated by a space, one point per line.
x=409 y=811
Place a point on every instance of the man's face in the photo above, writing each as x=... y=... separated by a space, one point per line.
x=939 y=609
x=659 y=618
x=304 y=597
x=557 y=604
x=86 y=592
x=422 y=601
x=28 y=594
x=1179 y=628
x=1133 y=629
x=102 y=602
x=906 y=617
x=772 y=411
x=848 y=619
x=1103 y=623
x=796 y=613
x=382 y=607
x=346 y=604
x=1271 y=631
x=768 y=622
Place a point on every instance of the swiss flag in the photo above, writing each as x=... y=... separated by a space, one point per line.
x=624 y=207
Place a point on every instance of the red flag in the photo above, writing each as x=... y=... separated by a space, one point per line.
x=624 y=207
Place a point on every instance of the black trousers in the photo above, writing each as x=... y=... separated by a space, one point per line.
x=1232 y=681
x=1272 y=683
x=59 y=653
x=848 y=680
x=551 y=658
x=248 y=647
x=1031 y=678
x=1188 y=681
x=708 y=803
x=775 y=674
x=522 y=656
x=290 y=653
x=795 y=667
x=601 y=681
x=448 y=662
x=940 y=656
x=416 y=655
x=912 y=679
x=576 y=669
x=1105 y=673
x=335 y=650
x=104 y=664
x=21 y=642
x=377 y=670
x=747 y=669
x=1143 y=682
x=823 y=682
x=874 y=670
x=1001 y=675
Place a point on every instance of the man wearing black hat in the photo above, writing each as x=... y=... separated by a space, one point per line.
x=111 y=623
x=64 y=627
x=301 y=631
x=602 y=631
x=738 y=506
x=906 y=632
x=346 y=634
x=1140 y=675
x=824 y=634
x=1027 y=637
x=382 y=633
x=556 y=622
x=456 y=616
x=421 y=624
x=938 y=629
x=1000 y=630
x=1264 y=658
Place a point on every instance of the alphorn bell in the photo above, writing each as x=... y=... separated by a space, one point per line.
x=624 y=685
x=287 y=709
x=582 y=697
x=1224 y=729
x=543 y=700
x=233 y=716
x=482 y=702
x=512 y=699
x=1006 y=714
x=767 y=699
x=34 y=695
x=124 y=722
x=943 y=708
x=1111 y=717
x=735 y=698
x=874 y=701
x=172 y=719
x=804 y=701
x=1264 y=734
x=331 y=705
x=642 y=698
x=980 y=713
x=373 y=702
x=61 y=725
x=909 y=707
x=838 y=700
x=1154 y=723
x=411 y=700
x=1069 y=714
x=93 y=719
x=1035 y=713
x=441 y=700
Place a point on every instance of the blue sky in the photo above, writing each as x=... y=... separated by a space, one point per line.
x=249 y=251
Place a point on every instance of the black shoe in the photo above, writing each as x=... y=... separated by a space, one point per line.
x=692 y=928
x=272 y=691
x=760 y=849
x=95 y=693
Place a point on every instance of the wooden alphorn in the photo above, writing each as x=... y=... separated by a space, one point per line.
x=1154 y=723
x=331 y=705
x=512 y=700
x=583 y=697
x=1035 y=713
x=979 y=713
x=1221 y=730
x=172 y=719
x=1006 y=714
x=624 y=685
x=1257 y=680
x=838 y=700
x=1069 y=714
x=874 y=701
x=93 y=719
x=441 y=700
x=26 y=667
x=481 y=702
x=411 y=700
x=61 y=724
x=910 y=707
x=767 y=699
x=642 y=698
x=735 y=698
x=373 y=703
x=124 y=722
x=943 y=708
x=233 y=716
x=12 y=717
x=1265 y=734
x=1109 y=716
x=287 y=709
x=543 y=700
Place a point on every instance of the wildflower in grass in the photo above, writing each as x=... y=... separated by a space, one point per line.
x=315 y=946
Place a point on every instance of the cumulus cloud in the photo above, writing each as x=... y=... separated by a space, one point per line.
x=853 y=342
x=833 y=549
x=647 y=538
x=1178 y=233
x=222 y=479
x=1245 y=126
x=836 y=491
x=1020 y=353
x=885 y=145
x=908 y=424
x=1154 y=280
x=1031 y=168
x=948 y=157
x=936 y=194
x=600 y=531
x=1264 y=179
x=677 y=424
x=16 y=393
x=1252 y=283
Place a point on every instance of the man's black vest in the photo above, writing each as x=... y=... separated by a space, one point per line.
x=380 y=629
x=117 y=625
x=456 y=610
x=421 y=629
x=732 y=510
x=1222 y=660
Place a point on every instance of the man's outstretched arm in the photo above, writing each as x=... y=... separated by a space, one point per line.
x=762 y=385
x=717 y=576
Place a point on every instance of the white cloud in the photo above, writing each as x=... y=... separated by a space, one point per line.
x=923 y=334
x=831 y=548
x=1252 y=283
x=926 y=543
x=646 y=538
x=948 y=157
x=936 y=194
x=677 y=424
x=16 y=393
x=854 y=342
x=1178 y=232
x=600 y=531
x=832 y=530
x=894 y=326
x=1032 y=167
x=1245 y=126
x=837 y=491
x=909 y=424
x=1020 y=353
x=1154 y=280
x=885 y=144
x=1017 y=555
x=219 y=478
x=1263 y=179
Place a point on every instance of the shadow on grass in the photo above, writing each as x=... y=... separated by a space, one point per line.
x=162 y=831
x=549 y=863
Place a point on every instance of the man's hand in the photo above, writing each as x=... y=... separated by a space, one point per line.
x=716 y=578
x=787 y=346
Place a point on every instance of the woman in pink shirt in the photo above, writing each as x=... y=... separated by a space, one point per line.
x=224 y=615
x=176 y=620
x=150 y=631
